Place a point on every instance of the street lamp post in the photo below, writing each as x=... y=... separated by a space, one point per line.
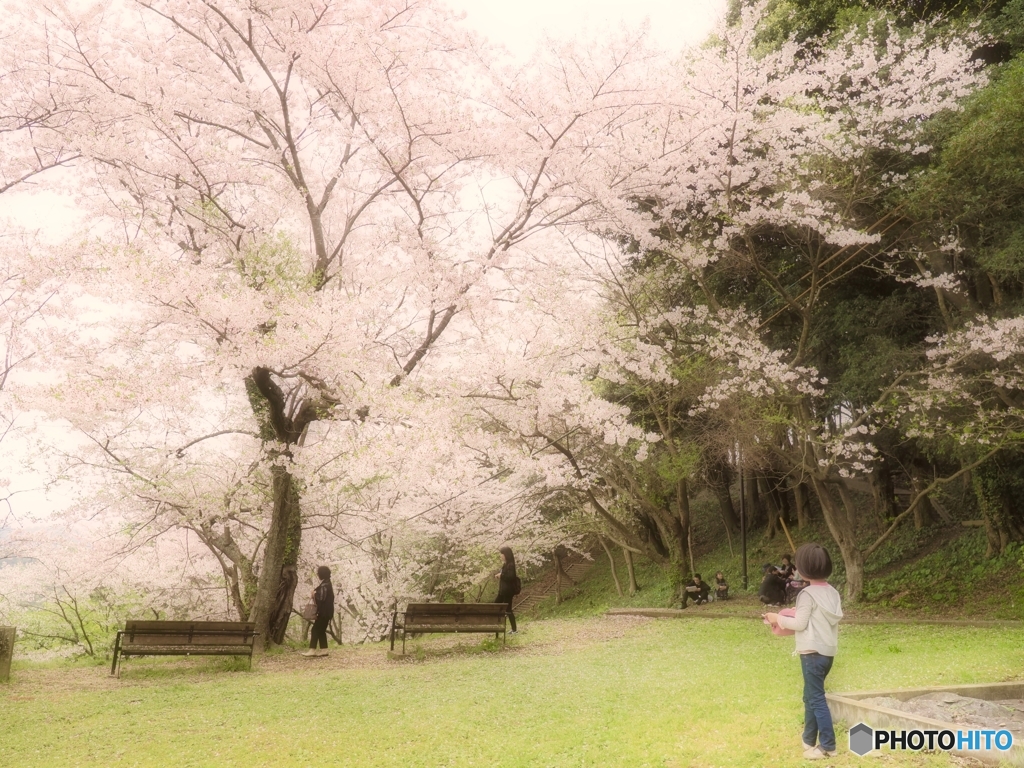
x=743 y=530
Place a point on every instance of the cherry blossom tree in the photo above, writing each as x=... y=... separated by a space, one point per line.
x=302 y=202
x=377 y=298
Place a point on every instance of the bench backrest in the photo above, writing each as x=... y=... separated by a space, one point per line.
x=189 y=632
x=455 y=614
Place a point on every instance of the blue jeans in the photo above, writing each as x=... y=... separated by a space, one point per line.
x=817 y=718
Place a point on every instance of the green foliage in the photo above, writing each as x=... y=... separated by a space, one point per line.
x=84 y=624
x=275 y=265
x=809 y=19
x=802 y=20
x=872 y=330
x=978 y=185
x=1008 y=25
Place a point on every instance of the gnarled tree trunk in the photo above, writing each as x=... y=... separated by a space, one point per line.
x=719 y=478
x=284 y=420
x=842 y=531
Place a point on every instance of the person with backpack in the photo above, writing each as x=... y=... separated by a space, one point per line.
x=816 y=625
x=509 y=584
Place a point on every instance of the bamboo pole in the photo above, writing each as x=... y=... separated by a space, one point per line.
x=788 y=537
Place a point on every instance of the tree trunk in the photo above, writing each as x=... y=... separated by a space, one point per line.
x=683 y=509
x=849 y=503
x=803 y=510
x=839 y=525
x=755 y=508
x=718 y=480
x=278 y=576
x=770 y=505
x=995 y=494
x=919 y=480
x=611 y=561
x=559 y=555
x=285 y=420
x=334 y=628
x=632 y=574
x=883 y=493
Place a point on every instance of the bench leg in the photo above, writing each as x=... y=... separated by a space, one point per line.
x=394 y=619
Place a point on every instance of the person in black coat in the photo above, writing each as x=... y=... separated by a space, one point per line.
x=323 y=597
x=773 y=587
x=697 y=591
x=508 y=583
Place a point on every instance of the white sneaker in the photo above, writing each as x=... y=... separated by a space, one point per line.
x=310 y=653
x=817 y=753
x=514 y=632
x=322 y=652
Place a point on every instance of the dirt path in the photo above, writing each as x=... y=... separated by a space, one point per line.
x=550 y=637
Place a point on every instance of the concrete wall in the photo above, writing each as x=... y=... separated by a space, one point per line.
x=849 y=708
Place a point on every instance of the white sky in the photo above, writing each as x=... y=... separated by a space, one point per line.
x=519 y=25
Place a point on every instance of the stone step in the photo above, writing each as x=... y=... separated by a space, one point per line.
x=544 y=586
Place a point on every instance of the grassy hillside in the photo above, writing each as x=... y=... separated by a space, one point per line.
x=939 y=571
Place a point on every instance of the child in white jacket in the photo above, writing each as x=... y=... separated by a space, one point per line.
x=818 y=611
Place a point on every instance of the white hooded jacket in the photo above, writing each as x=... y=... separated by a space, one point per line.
x=818 y=611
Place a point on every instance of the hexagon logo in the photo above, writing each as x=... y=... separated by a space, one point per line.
x=862 y=739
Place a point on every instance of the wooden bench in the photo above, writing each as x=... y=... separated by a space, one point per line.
x=448 y=617
x=183 y=638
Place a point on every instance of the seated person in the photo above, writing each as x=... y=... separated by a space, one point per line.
x=793 y=586
x=697 y=591
x=773 y=587
x=787 y=570
x=721 y=588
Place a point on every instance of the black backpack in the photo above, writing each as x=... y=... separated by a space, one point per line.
x=517 y=585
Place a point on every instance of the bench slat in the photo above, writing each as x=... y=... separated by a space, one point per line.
x=179 y=639
x=186 y=626
x=434 y=627
x=455 y=609
x=417 y=625
x=183 y=650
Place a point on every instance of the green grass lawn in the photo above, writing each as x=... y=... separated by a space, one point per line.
x=584 y=692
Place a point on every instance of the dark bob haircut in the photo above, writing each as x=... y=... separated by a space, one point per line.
x=813 y=562
x=323 y=572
